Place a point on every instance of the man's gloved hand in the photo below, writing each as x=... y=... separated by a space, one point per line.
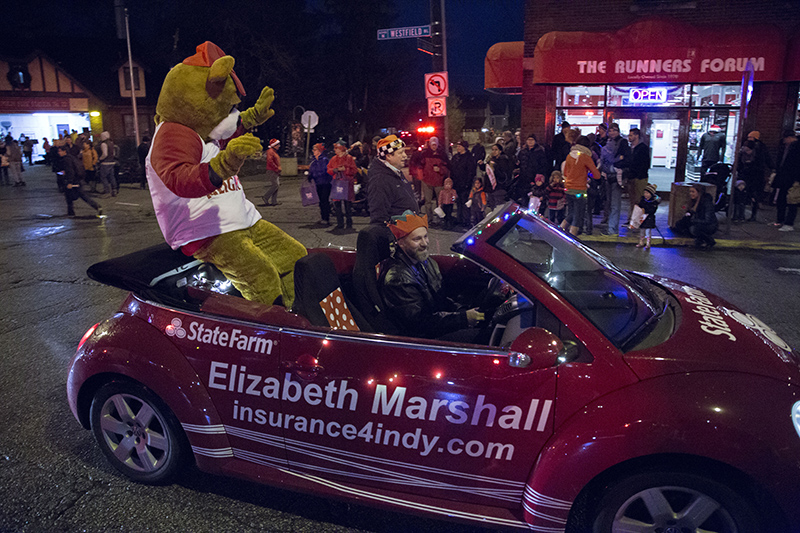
x=261 y=112
x=228 y=162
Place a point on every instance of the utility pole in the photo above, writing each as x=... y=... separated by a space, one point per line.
x=439 y=57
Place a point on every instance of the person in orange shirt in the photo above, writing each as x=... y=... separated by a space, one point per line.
x=273 y=173
x=342 y=166
x=578 y=168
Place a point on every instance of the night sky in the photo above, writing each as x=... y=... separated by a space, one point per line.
x=300 y=42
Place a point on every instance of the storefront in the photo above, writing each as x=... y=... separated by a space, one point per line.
x=674 y=81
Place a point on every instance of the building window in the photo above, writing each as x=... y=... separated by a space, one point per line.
x=126 y=74
x=716 y=95
x=581 y=96
x=18 y=76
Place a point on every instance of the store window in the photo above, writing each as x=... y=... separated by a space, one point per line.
x=648 y=95
x=716 y=95
x=712 y=138
x=586 y=120
x=581 y=96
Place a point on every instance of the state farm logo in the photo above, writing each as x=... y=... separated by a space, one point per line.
x=754 y=324
x=174 y=329
x=220 y=336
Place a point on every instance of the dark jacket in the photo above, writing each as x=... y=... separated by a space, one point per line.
x=389 y=194
x=73 y=174
x=789 y=167
x=414 y=298
x=462 y=171
x=650 y=207
x=704 y=215
x=532 y=162
x=503 y=169
x=318 y=170
x=638 y=163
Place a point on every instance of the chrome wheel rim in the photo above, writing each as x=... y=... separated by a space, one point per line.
x=672 y=510
x=134 y=432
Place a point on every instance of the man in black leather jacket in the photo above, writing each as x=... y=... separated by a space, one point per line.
x=411 y=287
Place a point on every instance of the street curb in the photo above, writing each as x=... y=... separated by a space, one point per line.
x=676 y=242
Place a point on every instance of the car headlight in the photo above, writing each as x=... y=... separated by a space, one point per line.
x=796 y=417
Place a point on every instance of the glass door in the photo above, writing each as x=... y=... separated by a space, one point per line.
x=666 y=132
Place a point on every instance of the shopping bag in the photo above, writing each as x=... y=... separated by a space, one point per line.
x=308 y=193
x=637 y=217
x=534 y=203
x=341 y=190
x=439 y=211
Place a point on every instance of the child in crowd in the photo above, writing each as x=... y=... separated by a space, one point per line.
x=556 y=196
x=538 y=191
x=740 y=200
x=476 y=202
x=447 y=198
x=649 y=204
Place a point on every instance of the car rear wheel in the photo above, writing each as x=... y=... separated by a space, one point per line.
x=137 y=432
x=673 y=503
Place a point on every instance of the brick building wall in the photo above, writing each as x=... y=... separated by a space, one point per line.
x=773 y=106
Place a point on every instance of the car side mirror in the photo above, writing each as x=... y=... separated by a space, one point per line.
x=536 y=348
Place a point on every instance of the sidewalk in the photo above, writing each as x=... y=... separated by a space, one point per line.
x=299 y=221
x=759 y=235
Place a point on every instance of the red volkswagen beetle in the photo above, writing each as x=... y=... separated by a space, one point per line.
x=603 y=400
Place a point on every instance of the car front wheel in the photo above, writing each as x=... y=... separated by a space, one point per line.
x=137 y=432
x=673 y=503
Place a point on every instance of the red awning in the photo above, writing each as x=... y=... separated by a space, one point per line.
x=660 y=50
x=503 y=68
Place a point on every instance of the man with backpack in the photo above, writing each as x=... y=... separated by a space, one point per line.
x=71 y=174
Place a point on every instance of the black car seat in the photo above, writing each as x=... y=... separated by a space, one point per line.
x=318 y=295
x=372 y=247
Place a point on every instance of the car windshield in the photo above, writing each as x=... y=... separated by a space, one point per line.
x=618 y=304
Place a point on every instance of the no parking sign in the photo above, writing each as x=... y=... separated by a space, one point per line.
x=437 y=107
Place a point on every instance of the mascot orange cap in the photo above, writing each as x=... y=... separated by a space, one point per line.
x=205 y=55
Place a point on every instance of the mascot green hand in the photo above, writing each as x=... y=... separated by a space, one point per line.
x=261 y=112
x=231 y=159
x=197 y=150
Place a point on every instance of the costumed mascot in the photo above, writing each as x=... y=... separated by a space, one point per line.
x=198 y=148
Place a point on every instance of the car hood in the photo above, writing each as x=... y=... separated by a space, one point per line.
x=713 y=335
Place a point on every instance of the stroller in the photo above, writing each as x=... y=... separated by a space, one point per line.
x=359 y=205
x=719 y=174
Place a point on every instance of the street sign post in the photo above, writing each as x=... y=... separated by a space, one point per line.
x=436 y=85
x=309 y=120
x=437 y=107
x=408 y=32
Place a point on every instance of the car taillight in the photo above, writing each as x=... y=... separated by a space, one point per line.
x=87 y=335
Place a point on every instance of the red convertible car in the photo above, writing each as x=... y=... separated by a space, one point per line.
x=603 y=400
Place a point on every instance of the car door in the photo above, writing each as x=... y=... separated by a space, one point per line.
x=427 y=418
x=238 y=364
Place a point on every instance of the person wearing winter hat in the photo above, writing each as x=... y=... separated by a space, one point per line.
x=273 y=173
x=342 y=167
x=411 y=286
x=390 y=192
x=649 y=205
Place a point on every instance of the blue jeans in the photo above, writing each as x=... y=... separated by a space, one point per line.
x=108 y=179
x=615 y=192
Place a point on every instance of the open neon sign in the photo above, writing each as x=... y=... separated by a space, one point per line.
x=652 y=95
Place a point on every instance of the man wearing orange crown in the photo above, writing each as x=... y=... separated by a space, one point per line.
x=411 y=287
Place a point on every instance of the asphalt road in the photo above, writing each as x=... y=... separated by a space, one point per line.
x=52 y=475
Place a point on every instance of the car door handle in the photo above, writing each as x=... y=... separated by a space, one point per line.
x=305 y=366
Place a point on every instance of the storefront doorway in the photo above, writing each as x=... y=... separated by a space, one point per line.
x=666 y=131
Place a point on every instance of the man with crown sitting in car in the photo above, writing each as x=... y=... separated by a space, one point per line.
x=411 y=286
